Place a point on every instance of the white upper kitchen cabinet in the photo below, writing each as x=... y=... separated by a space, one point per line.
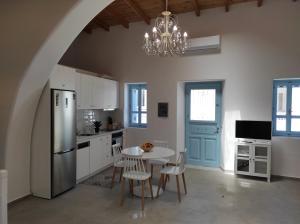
x=98 y=93
x=92 y=92
x=62 y=77
x=85 y=92
x=111 y=94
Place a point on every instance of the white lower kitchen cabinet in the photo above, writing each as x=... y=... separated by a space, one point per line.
x=83 y=163
x=108 y=151
x=100 y=153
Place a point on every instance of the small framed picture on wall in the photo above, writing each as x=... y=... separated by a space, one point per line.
x=162 y=110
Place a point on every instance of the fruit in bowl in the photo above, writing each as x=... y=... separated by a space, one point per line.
x=147 y=146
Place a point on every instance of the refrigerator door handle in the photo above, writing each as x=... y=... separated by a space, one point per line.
x=63 y=152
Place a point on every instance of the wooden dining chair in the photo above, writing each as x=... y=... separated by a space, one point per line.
x=159 y=162
x=118 y=162
x=176 y=170
x=134 y=170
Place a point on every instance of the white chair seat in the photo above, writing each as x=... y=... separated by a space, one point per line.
x=159 y=161
x=172 y=170
x=137 y=175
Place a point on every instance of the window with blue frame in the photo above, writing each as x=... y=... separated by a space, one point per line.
x=286 y=107
x=137 y=105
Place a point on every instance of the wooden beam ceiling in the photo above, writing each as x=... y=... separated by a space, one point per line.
x=137 y=9
x=101 y=24
x=118 y=17
x=227 y=5
x=124 y=12
x=197 y=7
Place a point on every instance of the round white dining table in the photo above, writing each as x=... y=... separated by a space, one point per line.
x=157 y=152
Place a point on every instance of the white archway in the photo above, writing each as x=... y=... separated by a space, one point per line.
x=30 y=80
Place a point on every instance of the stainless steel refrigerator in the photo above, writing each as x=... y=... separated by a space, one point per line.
x=63 y=141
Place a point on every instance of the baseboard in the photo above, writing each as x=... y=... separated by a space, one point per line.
x=203 y=167
x=13 y=202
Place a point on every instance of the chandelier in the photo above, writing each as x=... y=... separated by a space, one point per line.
x=166 y=38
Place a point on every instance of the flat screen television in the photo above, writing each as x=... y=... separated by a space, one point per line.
x=253 y=129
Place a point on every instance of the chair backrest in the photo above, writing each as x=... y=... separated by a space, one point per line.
x=181 y=160
x=117 y=155
x=161 y=143
x=134 y=164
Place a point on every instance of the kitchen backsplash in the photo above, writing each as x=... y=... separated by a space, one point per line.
x=85 y=119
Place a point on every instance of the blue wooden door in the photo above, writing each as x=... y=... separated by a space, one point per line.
x=203 y=120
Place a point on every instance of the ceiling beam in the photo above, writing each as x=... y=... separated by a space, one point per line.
x=227 y=5
x=137 y=9
x=118 y=17
x=196 y=7
x=101 y=24
x=259 y=3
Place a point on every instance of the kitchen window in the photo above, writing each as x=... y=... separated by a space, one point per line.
x=137 y=105
x=286 y=107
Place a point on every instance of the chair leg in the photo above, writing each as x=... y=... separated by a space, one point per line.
x=184 y=184
x=178 y=188
x=113 y=177
x=165 y=181
x=150 y=185
x=131 y=187
x=143 y=183
x=122 y=191
x=161 y=179
x=151 y=170
x=121 y=174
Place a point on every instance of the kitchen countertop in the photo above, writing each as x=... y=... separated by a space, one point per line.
x=101 y=133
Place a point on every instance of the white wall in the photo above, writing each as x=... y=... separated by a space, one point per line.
x=34 y=36
x=258 y=45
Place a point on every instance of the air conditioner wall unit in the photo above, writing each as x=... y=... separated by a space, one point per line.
x=204 y=45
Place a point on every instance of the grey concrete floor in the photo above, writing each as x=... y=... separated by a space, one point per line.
x=213 y=197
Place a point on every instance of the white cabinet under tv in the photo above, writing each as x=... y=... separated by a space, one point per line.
x=253 y=158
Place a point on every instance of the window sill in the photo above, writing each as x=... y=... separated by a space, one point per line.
x=286 y=137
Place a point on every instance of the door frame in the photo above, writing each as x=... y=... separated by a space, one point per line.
x=215 y=83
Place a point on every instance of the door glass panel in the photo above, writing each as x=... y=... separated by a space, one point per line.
x=143 y=101
x=261 y=151
x=260 y=167
x=281 y=124
x=281 y=100
x=144 y=118
x=243 y=165
x=134 y=118
x=203 y=105
x=243 y=150
x=295 y=100
x=295 y=126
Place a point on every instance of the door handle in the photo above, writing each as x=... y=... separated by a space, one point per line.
x=217 y=131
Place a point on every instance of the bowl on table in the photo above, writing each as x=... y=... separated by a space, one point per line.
x=147 y=147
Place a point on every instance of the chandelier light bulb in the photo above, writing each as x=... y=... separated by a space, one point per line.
x=154 y=30
x=175 y=28
x=185 y=34
x=146 y=35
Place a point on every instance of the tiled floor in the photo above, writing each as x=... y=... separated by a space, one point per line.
x=213 y=197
